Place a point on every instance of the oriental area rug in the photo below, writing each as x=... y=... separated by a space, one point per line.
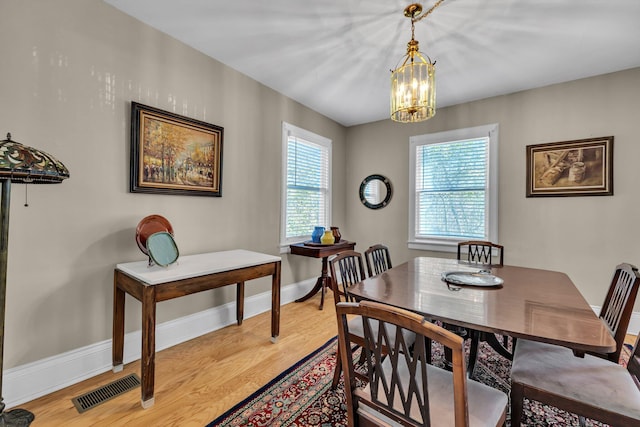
x=301 y=396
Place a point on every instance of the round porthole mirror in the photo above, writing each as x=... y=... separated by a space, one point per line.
x=375 y=191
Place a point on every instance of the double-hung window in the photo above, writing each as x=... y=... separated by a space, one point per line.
x=453 y=188
x=306 y=184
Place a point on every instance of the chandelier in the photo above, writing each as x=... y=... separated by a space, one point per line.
x=413 y=85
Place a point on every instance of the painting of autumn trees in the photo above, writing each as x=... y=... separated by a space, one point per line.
x=175 y=153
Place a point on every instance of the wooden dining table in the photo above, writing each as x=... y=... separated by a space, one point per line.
x=532 y=303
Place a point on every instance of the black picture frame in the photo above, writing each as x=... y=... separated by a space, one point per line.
x=174 y=154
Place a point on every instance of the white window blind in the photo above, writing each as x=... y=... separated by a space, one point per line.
x=451 y=183
x=307 y=184
x=453 y=186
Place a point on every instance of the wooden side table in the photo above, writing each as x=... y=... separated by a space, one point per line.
x=323 y=252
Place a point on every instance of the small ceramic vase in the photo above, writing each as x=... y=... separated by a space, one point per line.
x=336 y=234
x=317 y=234
x=327 y=238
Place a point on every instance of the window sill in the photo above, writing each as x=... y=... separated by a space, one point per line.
x=434 y=245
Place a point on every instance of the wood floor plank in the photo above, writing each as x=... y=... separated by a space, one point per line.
x=198 y=380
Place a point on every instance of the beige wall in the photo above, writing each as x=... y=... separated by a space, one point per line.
x=582 y=236
x=70 y=69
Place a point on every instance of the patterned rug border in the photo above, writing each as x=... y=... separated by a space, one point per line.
x=238 y=406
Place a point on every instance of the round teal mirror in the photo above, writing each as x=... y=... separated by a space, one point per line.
x=162 y=248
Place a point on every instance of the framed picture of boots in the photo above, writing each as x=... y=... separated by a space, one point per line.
x=571 y=168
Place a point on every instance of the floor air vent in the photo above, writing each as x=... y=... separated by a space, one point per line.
x=106 y=392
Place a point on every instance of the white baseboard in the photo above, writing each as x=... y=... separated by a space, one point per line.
x=634 y=324
x=30 y=381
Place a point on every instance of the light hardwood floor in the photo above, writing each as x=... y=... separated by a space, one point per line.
x=198 y=380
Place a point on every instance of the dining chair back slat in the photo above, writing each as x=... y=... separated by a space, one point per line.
x=481 y=252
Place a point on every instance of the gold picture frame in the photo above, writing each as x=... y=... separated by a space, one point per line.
x=173 y=154
x=571 y=168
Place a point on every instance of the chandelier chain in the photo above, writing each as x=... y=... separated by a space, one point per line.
x=427 y=13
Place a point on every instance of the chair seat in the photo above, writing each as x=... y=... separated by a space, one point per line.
x=590 y=380
x=486 y=405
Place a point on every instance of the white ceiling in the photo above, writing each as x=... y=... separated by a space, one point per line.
x=335 y=56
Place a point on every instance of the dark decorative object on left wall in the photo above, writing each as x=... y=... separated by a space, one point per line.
x=24 y=165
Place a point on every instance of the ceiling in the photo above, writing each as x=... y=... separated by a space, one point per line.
x=335 y=56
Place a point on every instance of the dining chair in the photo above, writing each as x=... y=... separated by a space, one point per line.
x=592 y=387
x=378 y=259
x=347 y=269
x=402 y=388
x=587 y=386
x=485 y=254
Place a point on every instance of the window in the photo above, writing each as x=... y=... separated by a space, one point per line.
x=454 y=188
x=306 y=200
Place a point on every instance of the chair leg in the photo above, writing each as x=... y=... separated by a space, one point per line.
x=458 y=330
x=337 y=371
x=517 y=400
x=473 y=352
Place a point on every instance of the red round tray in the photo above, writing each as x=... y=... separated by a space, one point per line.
x=149 y=225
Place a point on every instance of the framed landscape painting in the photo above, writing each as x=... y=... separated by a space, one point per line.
x=571 y=168
x=173 y=154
